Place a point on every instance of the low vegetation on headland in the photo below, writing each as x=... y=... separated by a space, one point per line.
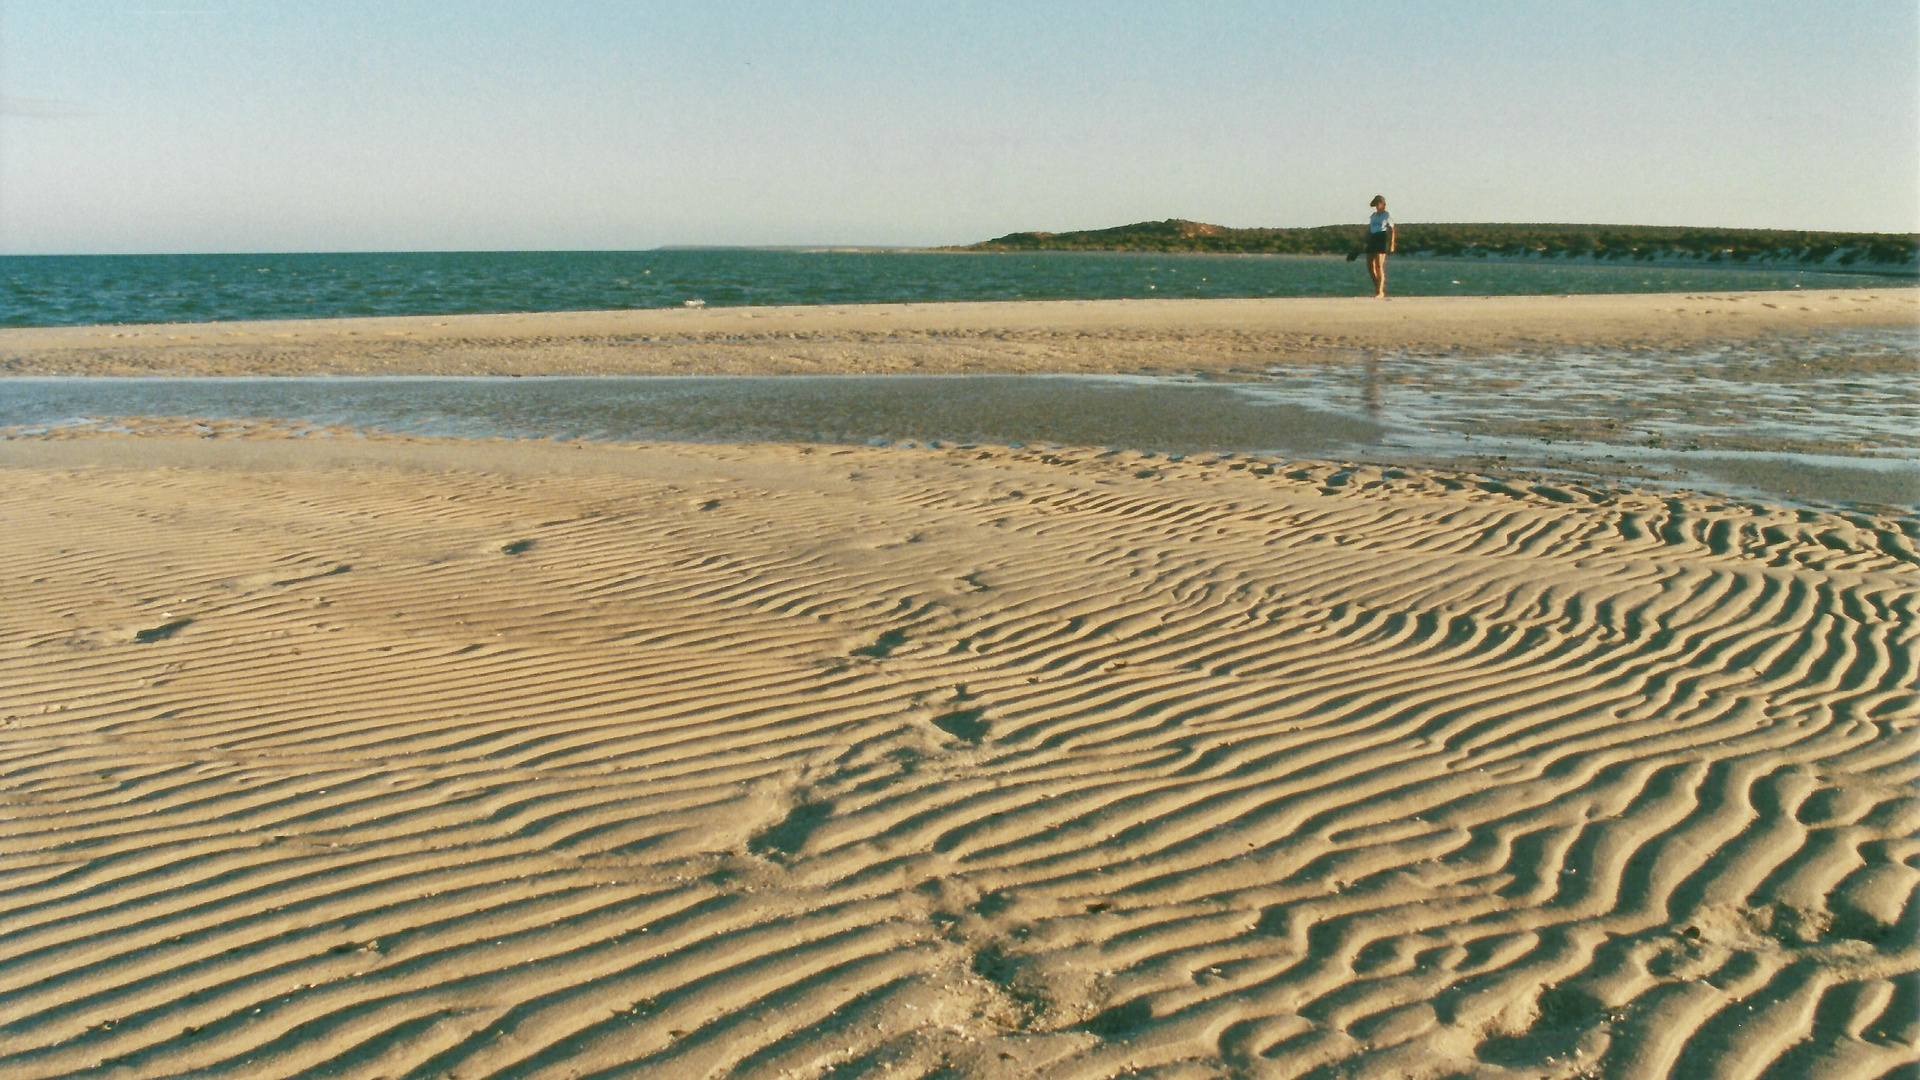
x=1646 y=242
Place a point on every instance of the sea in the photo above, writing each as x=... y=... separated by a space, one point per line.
x=1828 y=420
x=61 y=290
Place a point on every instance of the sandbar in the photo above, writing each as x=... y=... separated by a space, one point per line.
x=330 y=752
x=1089 y=336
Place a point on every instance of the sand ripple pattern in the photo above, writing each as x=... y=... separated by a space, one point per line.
x=783 y=762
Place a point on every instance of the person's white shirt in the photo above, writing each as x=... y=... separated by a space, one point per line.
x=1381 y=221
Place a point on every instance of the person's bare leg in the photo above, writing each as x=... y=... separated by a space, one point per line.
x=1377 y=269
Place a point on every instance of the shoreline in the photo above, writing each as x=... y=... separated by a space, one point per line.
x=1859 y=269
x=1851 y=488
x=1010 y=337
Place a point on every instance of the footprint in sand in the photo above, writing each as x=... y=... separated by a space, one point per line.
x=161 y=632
x=963 y=724
x=879 y=650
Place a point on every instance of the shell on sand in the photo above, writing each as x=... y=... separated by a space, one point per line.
x=404 y=758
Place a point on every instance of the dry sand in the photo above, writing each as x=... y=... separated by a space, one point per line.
x=402 y=758
x=1054 y=336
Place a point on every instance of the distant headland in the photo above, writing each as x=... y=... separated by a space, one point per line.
x=1607 y=242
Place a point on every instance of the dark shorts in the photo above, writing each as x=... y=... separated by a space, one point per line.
x=1377 y=242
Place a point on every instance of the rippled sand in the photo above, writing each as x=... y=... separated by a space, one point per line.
x=349 y=757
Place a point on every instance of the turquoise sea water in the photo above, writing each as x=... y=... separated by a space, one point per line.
x=79 y=290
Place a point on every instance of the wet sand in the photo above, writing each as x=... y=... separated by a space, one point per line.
x=337 y=755
x=1053 y=336
x=404 y=757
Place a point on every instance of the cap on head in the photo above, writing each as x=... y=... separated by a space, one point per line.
x=1378 y=200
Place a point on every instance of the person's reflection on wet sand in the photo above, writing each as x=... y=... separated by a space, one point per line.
x=1370 y=384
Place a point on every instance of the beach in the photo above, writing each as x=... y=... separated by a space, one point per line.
x=1062 y=336
x=360 y=754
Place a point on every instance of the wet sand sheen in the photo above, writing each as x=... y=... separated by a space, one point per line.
x=416 y=758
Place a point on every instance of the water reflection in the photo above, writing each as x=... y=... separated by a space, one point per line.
x=1823 y=421
x=1145 y=413
x=1370 y=384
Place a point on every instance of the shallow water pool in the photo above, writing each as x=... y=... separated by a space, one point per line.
x=1826 y=421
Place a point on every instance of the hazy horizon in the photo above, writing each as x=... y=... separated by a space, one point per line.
x=271 y=127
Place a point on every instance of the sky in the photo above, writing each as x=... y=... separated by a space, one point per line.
x=228 y=125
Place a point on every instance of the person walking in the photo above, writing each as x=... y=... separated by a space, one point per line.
x=1381 y=240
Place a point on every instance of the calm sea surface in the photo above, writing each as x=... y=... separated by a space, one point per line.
x=1830 y=419
x=78 y=290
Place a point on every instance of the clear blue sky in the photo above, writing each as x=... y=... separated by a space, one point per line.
x=229 y=125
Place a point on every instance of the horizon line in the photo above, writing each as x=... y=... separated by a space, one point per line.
x=941 y=248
